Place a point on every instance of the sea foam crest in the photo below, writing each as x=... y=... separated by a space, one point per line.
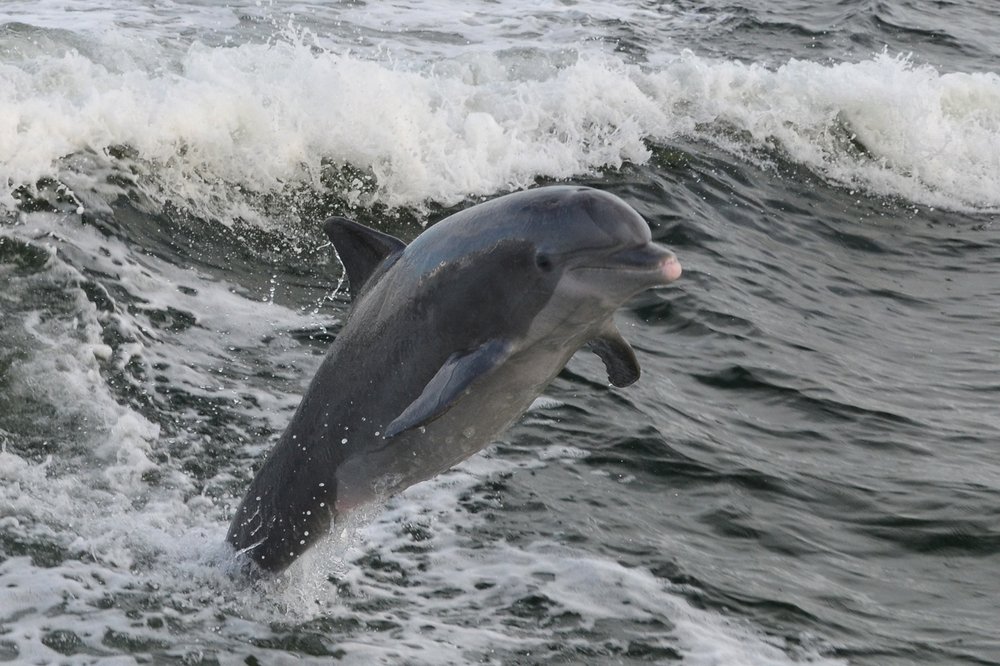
x=884 y=124
x=263 y=117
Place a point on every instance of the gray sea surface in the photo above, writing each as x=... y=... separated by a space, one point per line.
x=808 y=470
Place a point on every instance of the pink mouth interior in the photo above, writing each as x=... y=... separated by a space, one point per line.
x=671 y=269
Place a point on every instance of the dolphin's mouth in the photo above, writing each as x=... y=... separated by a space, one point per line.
x=654 y=262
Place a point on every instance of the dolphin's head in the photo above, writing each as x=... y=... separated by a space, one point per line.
x=599 y=247
x=570 y=254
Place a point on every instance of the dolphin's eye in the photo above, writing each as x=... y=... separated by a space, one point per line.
x=543 y=262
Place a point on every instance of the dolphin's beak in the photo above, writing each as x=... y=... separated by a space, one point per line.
x=654 y=260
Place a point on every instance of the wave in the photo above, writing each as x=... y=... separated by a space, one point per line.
x=212 y=126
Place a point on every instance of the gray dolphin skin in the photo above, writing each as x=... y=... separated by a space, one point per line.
x=448 y=342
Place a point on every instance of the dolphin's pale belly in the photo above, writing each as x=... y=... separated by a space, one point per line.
x=319 y=470
x=473 y=423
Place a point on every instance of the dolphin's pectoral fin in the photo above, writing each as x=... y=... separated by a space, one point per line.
x=450 y=384
x=618 y=356
x=360 y=249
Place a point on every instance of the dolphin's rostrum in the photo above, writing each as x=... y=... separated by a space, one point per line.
x=448 y=342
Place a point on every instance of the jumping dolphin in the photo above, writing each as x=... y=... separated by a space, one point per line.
x=449 y=340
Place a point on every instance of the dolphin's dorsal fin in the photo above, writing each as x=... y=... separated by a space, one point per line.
x=360 y=248
x=449 y=384
x=618 y=356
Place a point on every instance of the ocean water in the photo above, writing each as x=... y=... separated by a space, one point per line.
x=807 y=472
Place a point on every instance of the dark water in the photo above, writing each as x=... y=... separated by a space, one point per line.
x=808 y=470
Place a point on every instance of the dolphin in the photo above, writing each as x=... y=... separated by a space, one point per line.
x=448 y=342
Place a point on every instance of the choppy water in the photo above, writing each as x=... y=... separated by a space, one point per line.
x=808 y=471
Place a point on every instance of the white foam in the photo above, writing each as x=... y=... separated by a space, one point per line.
x=264 y=117
x=594 y=589
x=922 y=135
x=114 y=533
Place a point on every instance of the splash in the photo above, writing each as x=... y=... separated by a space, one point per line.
x=217 y=128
